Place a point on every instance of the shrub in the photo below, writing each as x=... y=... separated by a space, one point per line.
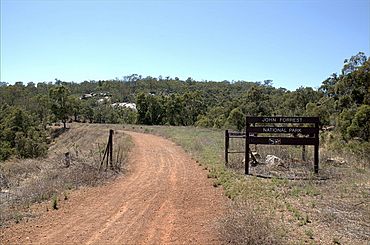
x=31 y=145
x=203 y=122
x=360 y=126
x=236 y=119
x=5 y=150
x=21 y=134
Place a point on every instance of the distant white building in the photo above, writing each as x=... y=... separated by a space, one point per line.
x=86 y=96
x=131 y=106
x=102 y=100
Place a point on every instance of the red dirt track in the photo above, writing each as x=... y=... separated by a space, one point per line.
x=165 y=198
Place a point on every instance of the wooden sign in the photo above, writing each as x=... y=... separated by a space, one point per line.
x=307 y=135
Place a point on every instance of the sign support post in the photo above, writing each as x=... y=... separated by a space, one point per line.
x=316 y=149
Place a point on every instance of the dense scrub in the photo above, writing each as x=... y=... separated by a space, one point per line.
x=21 y=134
x=342 y=102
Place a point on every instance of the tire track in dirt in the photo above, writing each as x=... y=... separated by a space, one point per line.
x=165 y=198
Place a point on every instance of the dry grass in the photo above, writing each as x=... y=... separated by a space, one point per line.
x=248 y=224
x=25 y=182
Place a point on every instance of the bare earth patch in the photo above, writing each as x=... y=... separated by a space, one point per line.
x=164 y=198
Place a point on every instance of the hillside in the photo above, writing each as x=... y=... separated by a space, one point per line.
x=342 y=102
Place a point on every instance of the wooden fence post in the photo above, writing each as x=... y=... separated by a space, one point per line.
x=246 y=158
x=111 y=148
x=108 y=153
x=227 y=147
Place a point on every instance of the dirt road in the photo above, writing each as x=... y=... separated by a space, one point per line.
x=164 y=198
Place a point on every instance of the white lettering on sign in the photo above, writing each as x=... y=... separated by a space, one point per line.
x=274 y=141
x=295 y=130
x=291 y=120
x=268 y=119
x=274 y=130
x=282 y=120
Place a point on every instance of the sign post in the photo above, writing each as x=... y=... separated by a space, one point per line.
x=308 y=135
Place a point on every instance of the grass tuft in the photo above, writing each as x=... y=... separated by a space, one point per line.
x=54 y=203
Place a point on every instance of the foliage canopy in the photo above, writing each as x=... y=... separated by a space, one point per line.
x=342 y=101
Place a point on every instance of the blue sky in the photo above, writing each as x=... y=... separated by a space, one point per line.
x=293 y=43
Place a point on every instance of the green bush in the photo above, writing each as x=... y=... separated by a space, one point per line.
x=360 y=126
x=31 y=145
x=21 y=134
x=203 y=122
x=236 y=119
x=5 y=150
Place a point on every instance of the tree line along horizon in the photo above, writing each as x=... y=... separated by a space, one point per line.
x=26 y=111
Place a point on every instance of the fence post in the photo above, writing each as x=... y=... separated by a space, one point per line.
x=111 y=148
x=108 y=152
x=227 y=147
x=246 y=158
